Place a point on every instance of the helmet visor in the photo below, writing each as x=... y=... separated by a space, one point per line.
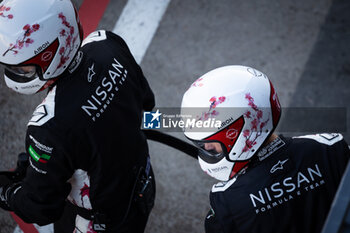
x=21 y=74
x=211 y=151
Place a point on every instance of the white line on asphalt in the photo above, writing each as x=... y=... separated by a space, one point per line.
x=138 y=23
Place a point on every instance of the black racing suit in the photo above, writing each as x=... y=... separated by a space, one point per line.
x=84 y=140
x=289 y=189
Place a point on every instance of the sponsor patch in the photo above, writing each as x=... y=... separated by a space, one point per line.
x=44 y=158
x=76 y=62
x=41 y=146
x=271 y=148
x=37 y=169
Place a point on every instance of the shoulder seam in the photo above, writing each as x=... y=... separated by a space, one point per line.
x=222 y=186
x=324 y=138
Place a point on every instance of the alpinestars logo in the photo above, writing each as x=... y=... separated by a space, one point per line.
x=287 y=189
x=278 y=166
x=91 y=73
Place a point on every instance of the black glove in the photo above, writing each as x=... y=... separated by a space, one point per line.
x=10 y=180
x=5 y=185
x=5 y=194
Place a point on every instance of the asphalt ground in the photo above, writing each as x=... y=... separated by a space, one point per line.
x=302 y=46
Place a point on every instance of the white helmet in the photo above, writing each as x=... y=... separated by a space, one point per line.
x=38 y=40
x=245 y=102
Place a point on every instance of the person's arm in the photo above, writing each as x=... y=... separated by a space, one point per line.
x=219 y=218
x=40 y=197
x=148 y=100
x=10 y=179
x=212 y=224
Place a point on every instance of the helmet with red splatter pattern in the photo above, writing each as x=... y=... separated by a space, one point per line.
x=245 y=102
x=39 y=39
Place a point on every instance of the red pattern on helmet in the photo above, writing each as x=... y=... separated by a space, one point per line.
x=4 y=8
x=275 y=106
x=68 y=33
x=198 y=83
x=211 y=112
x=24 y=40
x=216 y=101
x=80 y=27
x=257 y=124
